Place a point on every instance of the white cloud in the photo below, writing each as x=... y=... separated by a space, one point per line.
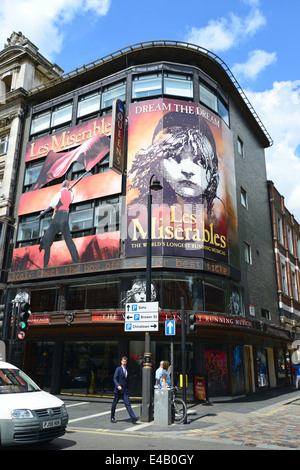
x=279 y=110
x=224 y=33
x=42 y=21
x=257 y=61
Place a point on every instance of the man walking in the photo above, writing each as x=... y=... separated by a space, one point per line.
x=121 y=390
x=59 y=223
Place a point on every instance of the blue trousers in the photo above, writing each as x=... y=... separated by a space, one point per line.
x=125 y=397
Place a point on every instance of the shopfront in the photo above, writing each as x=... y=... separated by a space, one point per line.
x=81 y=358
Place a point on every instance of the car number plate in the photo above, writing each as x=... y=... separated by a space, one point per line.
x=52 y=423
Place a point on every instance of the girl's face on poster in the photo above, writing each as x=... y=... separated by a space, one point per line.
x=185 y=172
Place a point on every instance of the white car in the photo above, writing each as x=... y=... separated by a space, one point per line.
x=27 y=413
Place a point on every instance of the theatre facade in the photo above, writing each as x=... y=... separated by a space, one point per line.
x=175 y=111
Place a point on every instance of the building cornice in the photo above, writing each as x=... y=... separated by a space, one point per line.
x=149 y=52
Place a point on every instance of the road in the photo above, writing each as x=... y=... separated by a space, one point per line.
x=266 y=422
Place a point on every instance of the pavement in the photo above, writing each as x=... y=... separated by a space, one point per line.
x=266 y=420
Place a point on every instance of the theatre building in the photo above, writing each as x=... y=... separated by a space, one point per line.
x=175 y=111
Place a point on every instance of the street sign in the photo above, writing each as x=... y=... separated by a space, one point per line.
x=170 y=327
x=141 y=326
x=141 y=316
x=21 y=335
x=145 y=307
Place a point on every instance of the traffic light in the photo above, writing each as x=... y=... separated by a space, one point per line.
x=23 y=317
x=2 y=308
x=190 y=323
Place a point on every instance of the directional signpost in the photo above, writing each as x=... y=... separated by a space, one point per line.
x=141 y=316
x=170 y=328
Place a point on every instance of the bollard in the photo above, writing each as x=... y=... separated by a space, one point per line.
x=162 y=406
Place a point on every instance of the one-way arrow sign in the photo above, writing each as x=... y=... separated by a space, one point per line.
x=170 y=327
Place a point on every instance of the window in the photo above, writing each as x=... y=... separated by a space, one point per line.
x=81 y=219
x=40 y=122
x=208 y=97
x=5 y=86
x=43 y=300
x=294 y=283
x=279 y=229
x=240 y=146
x=75 y=297
x=49 y=121
x=223 y=110
x=107 y=215
x=290 y=239
x=111 y=93
x=265 y=314
x=298 y=247
x=88 y=104
x=244 y=200
x=214 y=298
x=4 y=139
x=283 y=273
x=77 y=170
x=104 y=294
x=31 y=174
x=61 y=115
x=44 y=224
x=28 y=231
x=147 y=85
x=247 y=253
x=178 y=85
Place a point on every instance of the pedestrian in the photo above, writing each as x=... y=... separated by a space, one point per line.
x=296 y=368
x=59 y=223
x=121 y=390
x=165 y=379
x=158 y=374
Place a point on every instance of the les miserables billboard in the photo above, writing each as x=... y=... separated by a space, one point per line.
x=88 y=144
x=190 y=150
x=194 y=217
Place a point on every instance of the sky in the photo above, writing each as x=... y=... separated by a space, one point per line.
x=257 y=39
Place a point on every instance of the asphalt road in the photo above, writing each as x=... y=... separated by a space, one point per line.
x=268 y=421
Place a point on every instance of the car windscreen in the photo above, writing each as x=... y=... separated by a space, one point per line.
x=15 y=381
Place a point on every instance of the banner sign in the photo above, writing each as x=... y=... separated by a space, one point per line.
x=68 y=139
x=75 y=152
x=116 y=155
x=190 y=150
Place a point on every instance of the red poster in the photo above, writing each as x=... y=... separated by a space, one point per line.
x=45 y=210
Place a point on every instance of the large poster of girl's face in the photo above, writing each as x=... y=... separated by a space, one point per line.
x=190 y=150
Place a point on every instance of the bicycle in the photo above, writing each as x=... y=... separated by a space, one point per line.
x=178 y=408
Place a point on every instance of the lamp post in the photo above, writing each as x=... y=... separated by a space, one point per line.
x=146 y=410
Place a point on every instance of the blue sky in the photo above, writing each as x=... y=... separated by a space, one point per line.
x=257 y=39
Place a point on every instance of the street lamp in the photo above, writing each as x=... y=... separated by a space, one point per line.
x=147 y=411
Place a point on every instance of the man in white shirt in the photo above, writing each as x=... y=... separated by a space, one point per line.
x=158 y=375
